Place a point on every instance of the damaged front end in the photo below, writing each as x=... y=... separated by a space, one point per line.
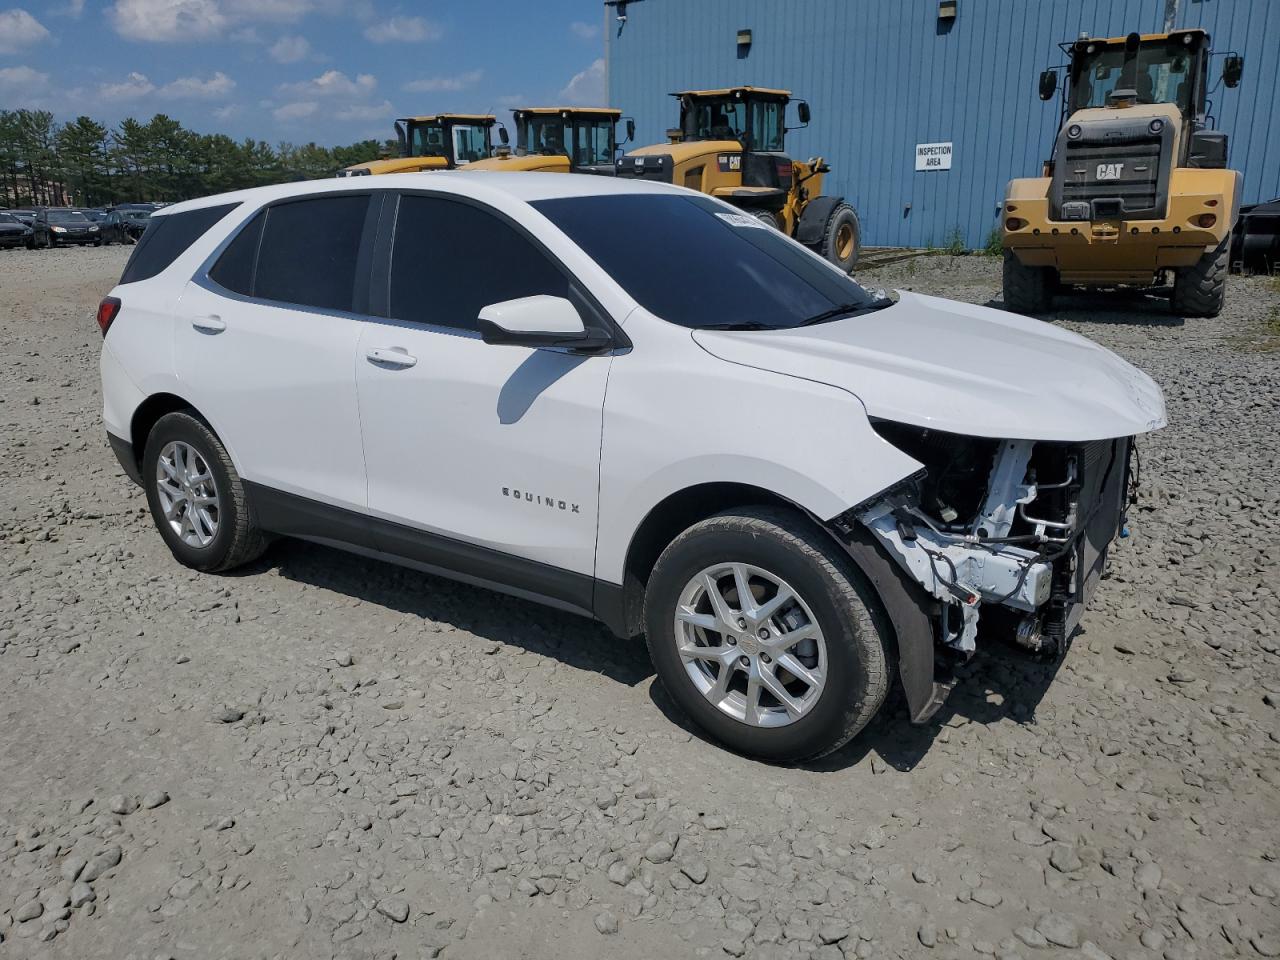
x=1010 y=532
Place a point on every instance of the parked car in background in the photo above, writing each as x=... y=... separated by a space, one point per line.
x=799 y=489
x=13 y=232
x=24 y=214
x=111 y=225
x=134 y=220
x=57 y=226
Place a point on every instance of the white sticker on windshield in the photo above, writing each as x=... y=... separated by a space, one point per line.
x=742 y=220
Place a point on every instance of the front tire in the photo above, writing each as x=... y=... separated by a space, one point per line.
x=1027 y=289
x=197 y=499
x=842 y=238
x=1201 y=290
x=793 y=673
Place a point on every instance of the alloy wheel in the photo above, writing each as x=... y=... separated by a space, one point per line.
x=751 y=644
x=188 y=494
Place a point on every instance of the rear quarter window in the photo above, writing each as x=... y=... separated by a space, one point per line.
x=167 y=237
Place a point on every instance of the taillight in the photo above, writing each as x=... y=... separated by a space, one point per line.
x=107 y=311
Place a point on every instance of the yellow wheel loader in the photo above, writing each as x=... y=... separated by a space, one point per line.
x=1137 y=192
x=442 y=141
x=562 y=140
x=731 y=144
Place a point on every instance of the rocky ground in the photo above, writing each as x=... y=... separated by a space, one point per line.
x=326 y=756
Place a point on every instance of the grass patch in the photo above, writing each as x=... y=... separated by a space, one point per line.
x=995 y=244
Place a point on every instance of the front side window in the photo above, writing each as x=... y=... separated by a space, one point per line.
x=592 y=144
x=705 y=266
x=450 y=259
x=545 y=135
x=308 y=251
x=470 y=143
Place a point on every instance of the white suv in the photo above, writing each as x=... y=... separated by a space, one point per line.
x=630 y=401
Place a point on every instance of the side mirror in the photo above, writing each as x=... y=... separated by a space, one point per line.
x=1048 y=84
x=802 y=111
x=537 y=321
x=502 y=135
x=1232 y=70
x=631 y=129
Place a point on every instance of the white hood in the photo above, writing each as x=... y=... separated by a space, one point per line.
x=961 y=368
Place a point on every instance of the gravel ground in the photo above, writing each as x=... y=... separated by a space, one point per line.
x=326 y=756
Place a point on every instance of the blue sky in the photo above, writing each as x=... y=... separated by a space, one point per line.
x=332 y=71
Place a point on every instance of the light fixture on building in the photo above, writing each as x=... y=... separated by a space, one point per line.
x=744 y=42
x=948 y=9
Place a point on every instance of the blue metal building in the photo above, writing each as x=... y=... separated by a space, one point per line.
x=885 y=75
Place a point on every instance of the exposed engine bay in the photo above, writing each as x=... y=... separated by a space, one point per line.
x=1014 y=530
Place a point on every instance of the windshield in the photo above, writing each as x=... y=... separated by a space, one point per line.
x=1161 y=73
x=703 y=264
x=714 y=120
x=593 y=142
x=5 y=218
x=135 y=214
x=426 y=140
x=66 y=216
x=470 y=143
x=544 y=135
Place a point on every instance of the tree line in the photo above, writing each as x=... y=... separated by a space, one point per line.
x=86 y=163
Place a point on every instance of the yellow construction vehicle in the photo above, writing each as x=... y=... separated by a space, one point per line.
x=731 y=144
x=562 y=140
x=442 y=141
x=1137 y=187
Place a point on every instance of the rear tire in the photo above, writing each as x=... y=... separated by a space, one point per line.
x=779 y=549
x=767 y=217
x=1027 y=289
x=230 y=534
x=1201 y=290
x=842 y=238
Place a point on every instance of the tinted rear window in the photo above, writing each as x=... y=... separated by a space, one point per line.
x=691 y=262
x=167 y=237
x=234 y=269
x=308 y=252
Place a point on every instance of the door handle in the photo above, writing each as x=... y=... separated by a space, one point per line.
x=210 y=324
x=391 y=357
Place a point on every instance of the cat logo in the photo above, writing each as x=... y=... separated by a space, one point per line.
x=1110 y=171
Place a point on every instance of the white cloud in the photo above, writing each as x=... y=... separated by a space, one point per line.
x=372 y=111
x=296 y=111
x=587 y=87
x=227 y=112
x=279 y=11
x=193 y=88
x=402 y=30
x=290 y=49
x=133 y=87
x=19 y=30
x=246 y=35
x=332 y=83
x=72 y=9
x=438 y=84
x=18 y=82
x=584 y=31
x=162 y=21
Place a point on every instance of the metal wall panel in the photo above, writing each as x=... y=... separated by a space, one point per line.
x=884 y=75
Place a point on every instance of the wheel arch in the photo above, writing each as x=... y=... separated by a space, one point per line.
x=157 y=405
x=906 y=608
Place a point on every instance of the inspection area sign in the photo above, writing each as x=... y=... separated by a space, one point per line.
x=933 y=156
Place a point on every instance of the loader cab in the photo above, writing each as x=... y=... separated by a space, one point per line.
x=455 y=138
x=753 y=116
x=586 y=136
x=1156 y=68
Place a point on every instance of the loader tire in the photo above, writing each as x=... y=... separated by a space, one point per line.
x=1027 y=289
x=1201 y=290
x=842 y=238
